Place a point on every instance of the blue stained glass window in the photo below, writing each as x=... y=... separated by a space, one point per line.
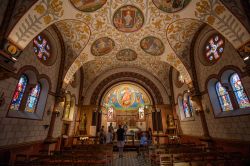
x=187 y=107
x=239 y=92
x=33 y=98
x=18 y=94
x=225 y=102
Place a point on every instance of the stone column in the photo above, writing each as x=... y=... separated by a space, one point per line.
x=197 y=105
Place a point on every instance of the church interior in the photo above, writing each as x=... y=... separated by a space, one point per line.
x=172 y=75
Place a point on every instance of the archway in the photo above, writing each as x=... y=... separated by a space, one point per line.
x=126 y=104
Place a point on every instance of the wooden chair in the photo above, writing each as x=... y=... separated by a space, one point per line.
x=166 y=160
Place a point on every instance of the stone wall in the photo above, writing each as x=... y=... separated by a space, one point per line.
x=16 y=130
x=230 y=128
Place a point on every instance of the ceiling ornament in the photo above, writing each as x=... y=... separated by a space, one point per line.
x=126 y=55
x=89 y=5
x=171 y=6
x=128 y=19
x=102 y=46
x=180 y=38
x=152 y=46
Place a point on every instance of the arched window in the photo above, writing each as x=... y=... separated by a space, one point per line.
x=187 y=107
x=18 y=94
x=225 y=102
x=33 y=99
x=239 y=91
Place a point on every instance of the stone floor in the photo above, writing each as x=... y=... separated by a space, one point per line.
x=129 y=159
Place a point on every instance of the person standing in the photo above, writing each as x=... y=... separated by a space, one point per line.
x=102 y=136
x=109 y=137
x=120 y=140
x=111 y=128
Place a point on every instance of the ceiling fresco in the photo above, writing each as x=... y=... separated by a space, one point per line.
x=102 y=46
x=126 y=96
x=128 y=19
x=152 y=45
x=88 y=5
x=127 y=23
x=159 y=69
x=171 y=6
x=126 y=55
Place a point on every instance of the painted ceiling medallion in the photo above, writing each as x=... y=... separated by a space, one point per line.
x=128 y=19
x=171 y=6
x=152 y=45
x=126 y=55
x=88 y=5
x=102 y=46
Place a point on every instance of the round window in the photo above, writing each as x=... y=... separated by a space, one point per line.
x=42 y=48
x=214 y=48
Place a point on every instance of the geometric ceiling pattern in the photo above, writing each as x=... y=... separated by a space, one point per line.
x=143 y=14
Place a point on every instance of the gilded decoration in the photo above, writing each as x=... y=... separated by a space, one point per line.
x=88 y=5
x=171 y=6
x=102 y=46
x=126 y=55
x=128 y=19
x=152 y=45
x=126 y=96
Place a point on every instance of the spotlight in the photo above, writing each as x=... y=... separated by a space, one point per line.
x=246 y=58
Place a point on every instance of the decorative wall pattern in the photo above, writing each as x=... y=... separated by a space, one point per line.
x=213 y=13
x=126 y=55
x=76 y=36
x=159 y=70
x=180 y=38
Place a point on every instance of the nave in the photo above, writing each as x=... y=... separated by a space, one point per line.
x=184 y=154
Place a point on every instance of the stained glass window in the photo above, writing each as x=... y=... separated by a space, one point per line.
x=141 y=113
x=214 y=48
x=224 y=98
x=110 y=112
x=18 y=94
x=33 y=98
x=41 y=47
x=239 y=92
x=187 y=107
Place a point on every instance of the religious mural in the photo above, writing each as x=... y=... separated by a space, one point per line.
x=126 y=55
x=88 y=5
x=128 y=19
x=171 y=6
x=125 y=97
x=102 y=46
x=152 y=45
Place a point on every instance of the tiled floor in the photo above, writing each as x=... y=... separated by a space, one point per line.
x=129 y=159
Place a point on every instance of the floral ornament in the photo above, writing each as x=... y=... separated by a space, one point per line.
x=212 y=12
x=50 y=10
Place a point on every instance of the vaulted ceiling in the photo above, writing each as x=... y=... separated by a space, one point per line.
x=151 y=35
